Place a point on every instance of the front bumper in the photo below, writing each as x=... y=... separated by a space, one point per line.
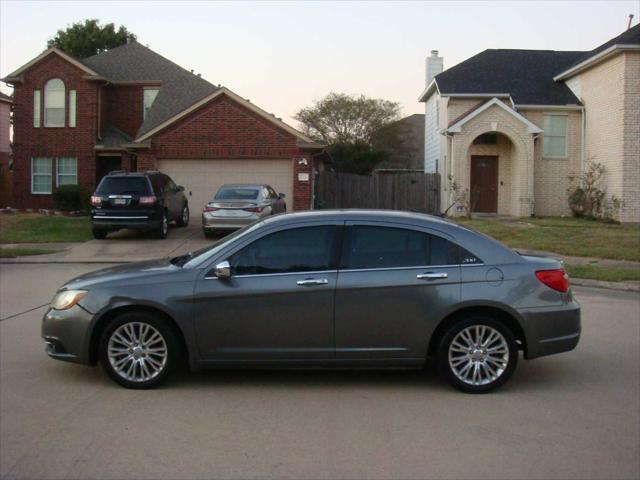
x=66 y=334
x=551 y=330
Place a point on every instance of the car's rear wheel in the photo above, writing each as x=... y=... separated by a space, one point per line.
x=99 y=234
x=138 y=350
x=163 y=228
x=477 y=354
x=183 y=220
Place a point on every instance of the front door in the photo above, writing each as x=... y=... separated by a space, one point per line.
x=484 y=184
x=105 y=165
x=278 y=302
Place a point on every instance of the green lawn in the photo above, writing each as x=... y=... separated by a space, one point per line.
x=565 y=236
x=19 y=252
x=37 y=228
x=608 y=274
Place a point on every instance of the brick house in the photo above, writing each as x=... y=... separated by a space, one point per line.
x=131 y=109
x=511 y=126
x=5 y=150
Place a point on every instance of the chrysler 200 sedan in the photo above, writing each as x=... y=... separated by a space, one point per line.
x=322 y=289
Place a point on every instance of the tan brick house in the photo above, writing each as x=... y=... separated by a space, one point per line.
x=129 y=108
x=512 y=126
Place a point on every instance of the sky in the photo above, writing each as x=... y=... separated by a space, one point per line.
x=285 y=55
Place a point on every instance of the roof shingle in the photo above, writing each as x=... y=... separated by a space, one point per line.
x=527 y=75
x=179 y=88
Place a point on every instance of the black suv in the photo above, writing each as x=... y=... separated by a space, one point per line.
x=145 y=201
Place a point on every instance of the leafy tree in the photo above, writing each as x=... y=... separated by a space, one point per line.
x=347 y=119
x=83 y=39
x=359 y=158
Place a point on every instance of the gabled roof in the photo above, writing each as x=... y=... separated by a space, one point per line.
x=627 y=40
x=302 y=139
x=113 y=139
x=474 y=112
x=527 y=75
x=179 y=88
x=46 y=53
x=5 y=98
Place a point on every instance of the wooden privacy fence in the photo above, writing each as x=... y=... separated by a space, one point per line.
x=411 y=191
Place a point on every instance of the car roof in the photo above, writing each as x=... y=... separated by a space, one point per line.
x=244 y=185
x=363 y=214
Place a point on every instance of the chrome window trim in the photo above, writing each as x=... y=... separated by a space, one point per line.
x=262 y=275
x=109 y=217
x=419 y=267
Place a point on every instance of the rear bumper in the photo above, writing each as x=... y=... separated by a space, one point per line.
x=113 y=220
x=551 y=330
x=209 y=222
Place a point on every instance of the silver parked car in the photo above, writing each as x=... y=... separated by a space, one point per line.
x=238 y=205
x=327 y=289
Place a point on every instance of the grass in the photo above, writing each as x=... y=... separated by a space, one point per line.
x=19 y=252
x=564 y=236
x=37 y=228
x=608 y=274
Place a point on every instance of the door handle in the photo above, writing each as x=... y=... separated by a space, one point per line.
x=310 y=282
x=431 y=276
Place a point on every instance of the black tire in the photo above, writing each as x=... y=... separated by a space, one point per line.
x=99 y=234
x=209 y=233
x=183 y=219
x=446 y=370
x=161 y=326
x=163 y=229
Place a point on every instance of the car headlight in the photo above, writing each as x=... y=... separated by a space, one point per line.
x=67 y=299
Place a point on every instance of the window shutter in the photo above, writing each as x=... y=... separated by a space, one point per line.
x=36 y=108
x=72 y=108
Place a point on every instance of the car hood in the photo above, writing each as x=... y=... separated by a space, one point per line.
x=121 y=273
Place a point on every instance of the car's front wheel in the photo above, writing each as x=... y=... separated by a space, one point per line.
x=183 y=219
x=477 y=354
x=138 y=350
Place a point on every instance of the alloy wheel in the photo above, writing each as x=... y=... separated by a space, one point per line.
x=137 y=351
x=478 y=355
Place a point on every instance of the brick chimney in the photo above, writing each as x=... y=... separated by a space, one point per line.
x=434 y=65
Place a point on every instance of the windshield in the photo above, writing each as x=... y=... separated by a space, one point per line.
x=195 y=258
x=237 y=194
x=124 y=186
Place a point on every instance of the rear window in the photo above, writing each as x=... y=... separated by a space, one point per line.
x=124 y=186
x=237 y=194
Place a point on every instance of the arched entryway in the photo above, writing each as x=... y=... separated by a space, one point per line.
x=490 y=171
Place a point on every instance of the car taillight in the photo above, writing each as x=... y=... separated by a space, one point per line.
x=556 y=279
x=254 y=209
x=209 y=208
x=96 y=201
x=147 y=200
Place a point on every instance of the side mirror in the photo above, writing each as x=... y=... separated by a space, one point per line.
x=223 y=270
x=281 y=195
x=180 y=188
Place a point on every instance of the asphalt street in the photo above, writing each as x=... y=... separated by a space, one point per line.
x=575 y=415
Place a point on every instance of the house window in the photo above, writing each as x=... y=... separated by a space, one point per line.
x=36 y=108
x=41 y=174
x=486 y=139
x=150 y=95
x=72 y=108
x=67 y=173
x=554 y=143
x=54 y=103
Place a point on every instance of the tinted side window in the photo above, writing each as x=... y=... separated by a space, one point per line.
x=388 y=247
x=297 y=250
x=468 y=258
x=272 y=193
x=156 y=183
x=169 y=183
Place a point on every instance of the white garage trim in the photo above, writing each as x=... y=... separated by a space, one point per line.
x=203 y=177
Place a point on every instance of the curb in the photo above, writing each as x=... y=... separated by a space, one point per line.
x=622 y=286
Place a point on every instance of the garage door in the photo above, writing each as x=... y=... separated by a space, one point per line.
x=203 y=177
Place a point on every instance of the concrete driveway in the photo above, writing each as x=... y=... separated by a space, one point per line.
x=129 y=246
x=575 y=415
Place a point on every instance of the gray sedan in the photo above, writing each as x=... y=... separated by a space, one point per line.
x=238 y=205
x=329 y=289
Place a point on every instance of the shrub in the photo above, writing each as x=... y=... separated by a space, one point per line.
x=70 y=198
x=586 y=199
